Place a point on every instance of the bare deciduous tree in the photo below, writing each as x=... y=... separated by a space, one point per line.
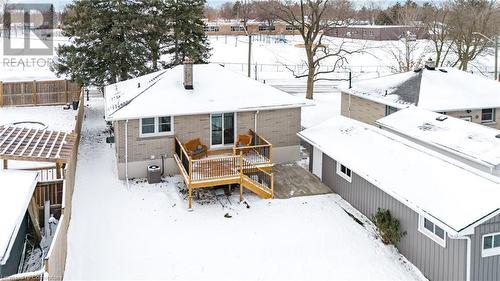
x=467 y=17
x=313 y=19
x=435 y=19
x=407 y=54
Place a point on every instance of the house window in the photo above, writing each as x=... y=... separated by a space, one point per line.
x=431 y=230
x=222 y=129
x=488 y=115
x=211 y=28
x=491 y=245
x=344 y=172
x=156 y=126
x=237 y=28
x=148 y=126
x=390 y=110
x=289 y=28
x=164 y=124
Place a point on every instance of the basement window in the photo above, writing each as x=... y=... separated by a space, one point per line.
x=491 y=245
x=344 y=172
x=156 y=126
x=488 y=115
x=431 y=230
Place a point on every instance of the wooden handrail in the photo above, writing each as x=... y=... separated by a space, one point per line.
x=182 y=147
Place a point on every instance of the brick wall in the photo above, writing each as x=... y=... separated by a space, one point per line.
x=361 y=109
x=280 y=127
x=476 y=117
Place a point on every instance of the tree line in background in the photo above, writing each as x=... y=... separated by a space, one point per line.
x=454 y=27
x=112 y=41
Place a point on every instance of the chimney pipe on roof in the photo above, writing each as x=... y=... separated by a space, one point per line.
x=188 y=74
x=430 y=64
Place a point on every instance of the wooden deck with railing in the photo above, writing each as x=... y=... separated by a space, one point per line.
x=248 y=166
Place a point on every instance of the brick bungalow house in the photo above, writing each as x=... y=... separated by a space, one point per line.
x=445 y=90
x=191 y=120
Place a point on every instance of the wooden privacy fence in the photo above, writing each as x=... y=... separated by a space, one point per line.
x=55 y=261
x=50 y=92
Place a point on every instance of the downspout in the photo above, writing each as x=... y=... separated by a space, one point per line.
x=255 y=121
x=126 y=152
x=469 y=242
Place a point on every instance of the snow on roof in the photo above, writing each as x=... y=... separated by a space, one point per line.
x=216 y=89
x=443 y=89
x=473 y=141
x=16 y=190
x=424 y=180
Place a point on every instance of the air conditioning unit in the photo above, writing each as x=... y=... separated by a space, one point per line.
x=154 y=174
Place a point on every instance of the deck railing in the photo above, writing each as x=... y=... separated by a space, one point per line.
x=215 y=168
x=182 y=155
x=48 y=173
x=259 y=175
x=259 y=152
x=221 y=167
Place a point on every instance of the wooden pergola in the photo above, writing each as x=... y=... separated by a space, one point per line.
x=38 y=145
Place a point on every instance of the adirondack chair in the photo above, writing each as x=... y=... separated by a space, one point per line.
x=196 y=149
x=244 y=140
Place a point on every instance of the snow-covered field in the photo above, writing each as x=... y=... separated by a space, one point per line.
x=144 y=231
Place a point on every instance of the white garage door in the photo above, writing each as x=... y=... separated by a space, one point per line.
x=317 y=162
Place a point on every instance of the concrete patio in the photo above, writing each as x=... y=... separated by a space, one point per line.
x=291 y=180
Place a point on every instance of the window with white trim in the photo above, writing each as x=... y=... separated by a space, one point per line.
x=156 y=126
x=431 y=230
x=491 y=245
x=488 y=115
x=344 y=172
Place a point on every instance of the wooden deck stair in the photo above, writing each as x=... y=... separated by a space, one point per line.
x=256 y=187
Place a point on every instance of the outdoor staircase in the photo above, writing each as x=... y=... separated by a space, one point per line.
x=258 y=180
x=260 y=189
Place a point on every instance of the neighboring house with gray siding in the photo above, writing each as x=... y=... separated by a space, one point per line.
x=445 y=90
x=449 y=211
x=203 y=101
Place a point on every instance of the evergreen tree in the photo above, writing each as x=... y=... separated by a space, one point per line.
x=187 y=36
x=155 y=24
x=105 y=46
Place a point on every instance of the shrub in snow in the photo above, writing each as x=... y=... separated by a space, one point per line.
x=388 y=226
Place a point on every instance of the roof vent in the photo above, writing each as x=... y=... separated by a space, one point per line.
x=443 y=70
x=138 y=85
x=441 y=118
x=430 y=64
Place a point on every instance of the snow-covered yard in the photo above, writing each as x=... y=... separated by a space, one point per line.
x=144 y=231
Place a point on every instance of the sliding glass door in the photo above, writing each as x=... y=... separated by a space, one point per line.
x=222 y=129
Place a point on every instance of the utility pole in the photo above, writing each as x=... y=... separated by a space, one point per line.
x=249 y=54
x=496 y=59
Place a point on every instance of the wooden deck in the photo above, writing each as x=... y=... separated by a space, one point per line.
x=250 y=167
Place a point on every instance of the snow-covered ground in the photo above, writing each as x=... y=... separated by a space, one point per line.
x=144 y=231
x=326 y=106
